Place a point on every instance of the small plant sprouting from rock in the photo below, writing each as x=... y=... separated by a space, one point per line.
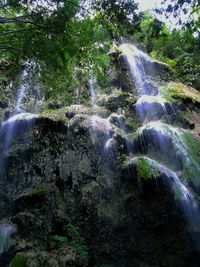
x=61 y=239
x=19 y=260
x=77 y=241
x=146 y=169
x=143 y=168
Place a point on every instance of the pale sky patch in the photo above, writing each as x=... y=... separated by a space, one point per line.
x=150 y=5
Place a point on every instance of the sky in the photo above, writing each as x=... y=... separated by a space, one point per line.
x=148 y=4
x=171 y=22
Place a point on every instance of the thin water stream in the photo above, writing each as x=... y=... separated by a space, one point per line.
x=6 y=130
x=98 y=123
x=150 y=102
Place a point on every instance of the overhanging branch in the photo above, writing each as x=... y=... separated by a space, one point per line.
x=7 y=33
x=10 y=47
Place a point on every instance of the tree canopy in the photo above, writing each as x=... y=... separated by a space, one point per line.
x=178 y=47
x=64 y=41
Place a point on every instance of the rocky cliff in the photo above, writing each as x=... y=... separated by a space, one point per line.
x=85 y=186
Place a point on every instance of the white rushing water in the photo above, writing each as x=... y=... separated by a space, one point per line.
x=22 y=90
x=5 y=237
x=135 y=58
x=150 y=99
x=150 y=107
x=190 y=206
x=99 y=124
x=17 y=115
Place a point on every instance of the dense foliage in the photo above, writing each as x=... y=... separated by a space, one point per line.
x=178 y=47
x=64 y=42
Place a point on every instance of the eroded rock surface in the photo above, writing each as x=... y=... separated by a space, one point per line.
x=85 y=189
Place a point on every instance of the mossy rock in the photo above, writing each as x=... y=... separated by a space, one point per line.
x=192 y=171
x=60 y=101
x=20 y=260
x=102 y=112
x=55 y=115
x=180 y=93
x=35 y=197
x=130 y=126
x=144 y=168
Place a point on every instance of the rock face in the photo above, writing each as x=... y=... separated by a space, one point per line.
x=74 y=196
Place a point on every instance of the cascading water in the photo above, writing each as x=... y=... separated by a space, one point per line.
x=93 y=96
x=99 y=123
x=22 y=90
x=6 y=131
x=151 y=107
x=17 y=115
x=150 y=104
x=5 y=237
x=190 y=206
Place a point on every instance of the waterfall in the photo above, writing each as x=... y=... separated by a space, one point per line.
x=6 y=131
x=98 y=123
x=9 y=124
x=21 y=92
x=5 y=237
x=134 y=57
x=151 y=107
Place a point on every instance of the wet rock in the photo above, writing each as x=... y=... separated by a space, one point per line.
x=76 y=197
x=3 y=105
x=67 y=256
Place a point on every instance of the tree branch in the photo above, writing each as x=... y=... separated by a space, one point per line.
x=13 y=20
x=9 y=47
x=78 y=6
x=7 y=33
x=10 y=41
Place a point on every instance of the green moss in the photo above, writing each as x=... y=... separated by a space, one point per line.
x=61 y=239
x=193 y=146
x=38 y=191
x=144 y=169
x=178 y=92
x=132 y=125
x=55 y=115
x=78 y=241
x=128 y=196
x=19 y=260
x=102 y=112
x=168 y=94
x=1 y=118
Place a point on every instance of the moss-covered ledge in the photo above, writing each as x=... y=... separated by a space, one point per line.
x=63 y=114
x=142 y=167
x=182 y=94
